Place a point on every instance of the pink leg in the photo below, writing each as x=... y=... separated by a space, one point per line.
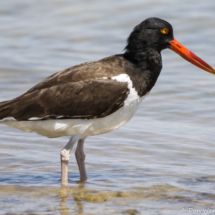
x=65 y=155
x=80 y=157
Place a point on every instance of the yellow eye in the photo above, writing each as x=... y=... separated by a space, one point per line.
x=164 y=30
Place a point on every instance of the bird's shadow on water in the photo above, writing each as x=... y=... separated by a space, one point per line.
x=65 y=192
x=45 y=186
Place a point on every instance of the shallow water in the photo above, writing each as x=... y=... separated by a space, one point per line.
x=161 y=162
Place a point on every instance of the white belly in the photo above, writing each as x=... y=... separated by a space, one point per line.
x=83 y=127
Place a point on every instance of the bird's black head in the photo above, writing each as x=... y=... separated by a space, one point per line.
x=153 y=33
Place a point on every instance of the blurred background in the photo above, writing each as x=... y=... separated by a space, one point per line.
x=161 y=162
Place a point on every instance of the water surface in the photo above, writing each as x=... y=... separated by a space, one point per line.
x=161 y=162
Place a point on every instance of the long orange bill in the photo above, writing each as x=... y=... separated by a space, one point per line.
x=190 y=56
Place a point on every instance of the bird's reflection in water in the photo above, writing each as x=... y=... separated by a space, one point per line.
x=65 y=192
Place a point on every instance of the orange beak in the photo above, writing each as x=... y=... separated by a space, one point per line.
x=190 y=56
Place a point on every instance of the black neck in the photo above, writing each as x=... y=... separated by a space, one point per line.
x=149 y=65
x=145 y=58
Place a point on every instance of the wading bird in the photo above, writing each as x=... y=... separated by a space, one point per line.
x=96 y=97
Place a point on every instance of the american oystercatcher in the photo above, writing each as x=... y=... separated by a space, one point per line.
x=96 y=97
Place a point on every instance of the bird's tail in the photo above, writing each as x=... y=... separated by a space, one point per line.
x=6 y=109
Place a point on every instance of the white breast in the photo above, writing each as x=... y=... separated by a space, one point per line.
x=84 y=127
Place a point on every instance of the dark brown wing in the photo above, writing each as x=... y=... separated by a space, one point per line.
x=77 y=92
x=83 y=99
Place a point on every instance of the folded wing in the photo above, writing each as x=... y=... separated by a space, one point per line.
x=83 y=99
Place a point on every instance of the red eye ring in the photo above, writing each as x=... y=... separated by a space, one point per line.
x=164 y=30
